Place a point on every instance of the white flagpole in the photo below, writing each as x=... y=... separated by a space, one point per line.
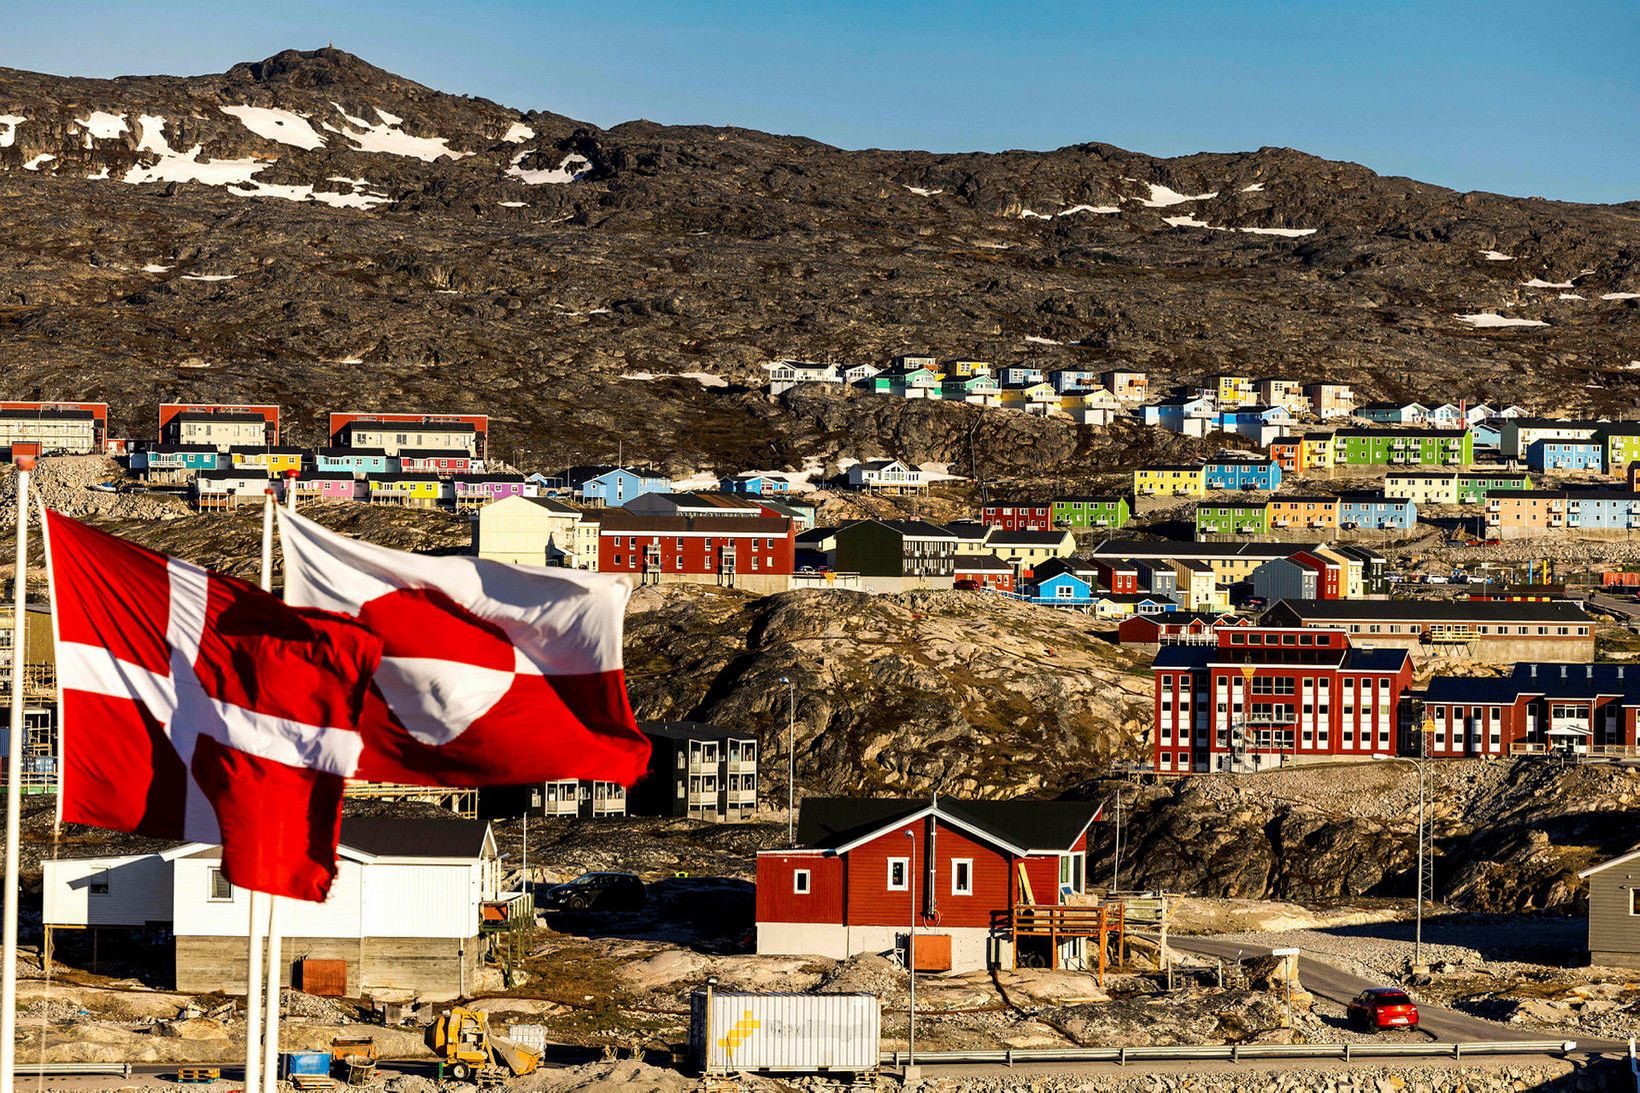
x=14 y=792
x=255 y=929
x=276 y=971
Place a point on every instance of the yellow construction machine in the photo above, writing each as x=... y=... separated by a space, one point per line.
x=468 y=1051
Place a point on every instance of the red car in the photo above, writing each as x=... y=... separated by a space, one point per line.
x=1381 y=1008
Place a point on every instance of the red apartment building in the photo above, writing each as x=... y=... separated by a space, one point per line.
x=1539 y=708
x=983 y=571
x=1262 y=696
x=1017 y=516
x=1116 y=575
x=436 y=461
x=751 y=552
x=863 y=867
x=1329 y=574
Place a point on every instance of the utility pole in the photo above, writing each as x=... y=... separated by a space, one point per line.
x=791 y=760
x=1116 y=854
x=911 y=956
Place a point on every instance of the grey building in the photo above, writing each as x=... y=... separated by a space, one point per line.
x=1614 y=911
x=696 y=770
x=1283 y=579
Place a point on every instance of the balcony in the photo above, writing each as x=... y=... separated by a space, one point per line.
x=743 y=766
x=743 y=796
x=511 y=910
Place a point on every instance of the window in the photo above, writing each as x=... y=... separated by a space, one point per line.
x=962 y=876
x=898 y=874
x=800 y=882
x=220 y=890
x=1634 y=901
x=98 y=885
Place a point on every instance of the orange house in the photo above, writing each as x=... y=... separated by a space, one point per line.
x=1304 y=512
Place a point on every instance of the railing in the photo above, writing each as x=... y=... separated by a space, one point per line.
x=512 y=909
x=1236 y=1053
x=1052 y=920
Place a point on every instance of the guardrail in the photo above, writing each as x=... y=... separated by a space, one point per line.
x=36 y=1070
x=1236 y=1053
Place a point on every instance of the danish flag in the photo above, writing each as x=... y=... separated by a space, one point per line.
x=195 y=706
x=491 y=674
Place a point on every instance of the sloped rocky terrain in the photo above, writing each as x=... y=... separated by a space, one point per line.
x=313 y=231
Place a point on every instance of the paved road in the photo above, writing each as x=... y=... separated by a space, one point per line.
x=1623 y=609
x=1339 y=986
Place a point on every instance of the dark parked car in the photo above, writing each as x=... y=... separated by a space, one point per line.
x=598 y=892
x=1381 y=1008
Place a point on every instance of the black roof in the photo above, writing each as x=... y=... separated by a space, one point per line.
x=1557 y=611
x=264 y=449
x=690 y=730
x=43 y=414
x=915 y=529
x=989 y=562
x=1000 y=537
x=195 y=416
x=413 y=426
x=421 y=837
x=829 y=822
x=434 y=453
x=1172 y=548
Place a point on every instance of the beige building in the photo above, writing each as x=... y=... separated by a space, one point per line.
x=1288 y=394
x=1422 y=487
x=56 y=431
x=221 y=431
x=394 y=436
x=1128 y=387
x=1329 y=400
x=1026 y=549
x=534 y=531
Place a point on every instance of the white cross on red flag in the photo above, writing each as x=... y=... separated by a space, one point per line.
x=491 y=674
x=195 y=706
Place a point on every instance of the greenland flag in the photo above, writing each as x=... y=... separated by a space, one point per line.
x=491 y=674
x=194 y=706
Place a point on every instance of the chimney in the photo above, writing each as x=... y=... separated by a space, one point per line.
x=1562 y=671
x=1534 y=671
x=1588 y=671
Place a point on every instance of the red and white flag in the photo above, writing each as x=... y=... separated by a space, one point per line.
x=197 y=707
x=491 y=674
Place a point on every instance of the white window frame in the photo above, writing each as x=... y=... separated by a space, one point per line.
x=905 y=873
x=212 y=876
x=966 y=864
x=801 y=885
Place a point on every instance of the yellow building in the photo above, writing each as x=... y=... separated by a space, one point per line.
x=272 y=461
x=419 y=491
x=1170 y=480
x=966 y=369
x=1025 y=550
x=1233 y=391
x=1033 y=398
x=1318 y=451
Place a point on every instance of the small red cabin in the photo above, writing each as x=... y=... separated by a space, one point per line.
x=865 y=868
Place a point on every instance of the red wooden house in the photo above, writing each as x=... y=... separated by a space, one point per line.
x=1017 y=515
x=1329 y=574
x=1176 y=627
x=751 y=552
x=436 y=461
x=1539 y=708
x=966 y=871
x=1116 y=575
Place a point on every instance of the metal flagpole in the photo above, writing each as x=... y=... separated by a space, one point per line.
x=256 y=929
x=14 y=790
x=276 y=973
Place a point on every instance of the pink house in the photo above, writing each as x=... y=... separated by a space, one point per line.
x=327 y=486
x=473 y=490
x=437 y=461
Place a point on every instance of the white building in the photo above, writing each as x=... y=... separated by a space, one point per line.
x=885 y=474
x=530 y=531
x=784 y=375
x=405 y=911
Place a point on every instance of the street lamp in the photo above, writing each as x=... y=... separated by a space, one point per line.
x=911 y=953
x=1423 y=838
x=791 y=761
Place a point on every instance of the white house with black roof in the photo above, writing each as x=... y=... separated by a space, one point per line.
x=406 y=912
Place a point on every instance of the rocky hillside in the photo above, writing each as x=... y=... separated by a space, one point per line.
x=957 y=693
x=314 y=231
x=1508 y=836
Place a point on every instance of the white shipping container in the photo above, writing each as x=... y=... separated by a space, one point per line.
x=530 y=1036
x=784 y=1032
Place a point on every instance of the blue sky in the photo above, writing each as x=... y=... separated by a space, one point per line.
x=1519 y=98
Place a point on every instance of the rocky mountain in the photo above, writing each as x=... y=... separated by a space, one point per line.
x=314 y=231
x=962 y=694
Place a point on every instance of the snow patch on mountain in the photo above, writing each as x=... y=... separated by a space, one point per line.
x=1538 y=282
x=1491 y=319
x=1190 y=221
x=283 y=126
x=1162 y=197
x=8 y=128
x=1620 y=295
x=1285 y=233
x=1497 y=256
x=38 y=161
x=1036 y=339
x=922 y=191
x=388 y=138
x=103 y=125
x=1102 y=210
x=572 y=168
x=518 y=133
x=1029 y=214
x=1253 y=189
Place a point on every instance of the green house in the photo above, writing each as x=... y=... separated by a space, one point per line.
x=1403 y=447
x=1090 y=513
x=1472 y=488
x=1232 y=518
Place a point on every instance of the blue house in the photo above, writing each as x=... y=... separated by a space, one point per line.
x=1062 y=590
x=355 y=461
x=1374 y=511
x=1393 y=413
x=1566 y=455
x=1241 y=474
x=755 y=485
x=1069 y=380
x=177 y=457
x=1605 y=510
x=1260 y=424
x=1486 y=434
x=615 y=486
x=1190 y=415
